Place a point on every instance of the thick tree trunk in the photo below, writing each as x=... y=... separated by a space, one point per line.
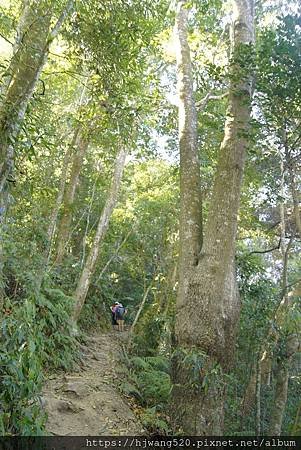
x=26 y=65
x=81 y=145
x=34 y=37
x=25 y=19
x=89 y=267
x=30 y=54
x=206 y=321
x=30 y=58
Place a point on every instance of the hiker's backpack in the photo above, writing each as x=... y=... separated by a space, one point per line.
x=120 y=311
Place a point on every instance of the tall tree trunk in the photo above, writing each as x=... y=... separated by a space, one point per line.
x=89 y=267
x=190 y=196
x=190 y=200
x=59 y=201
x=279 y=399
x=29 y=58
x=292 y=346
x=53 y=221
x=282 y=371
x=206 y=321
x=24 y=20
x=80 y=143
x=258 y=400
x=30 y=52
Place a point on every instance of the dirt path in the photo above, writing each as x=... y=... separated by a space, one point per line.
x=87 y=402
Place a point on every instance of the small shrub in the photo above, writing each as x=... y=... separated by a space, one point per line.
x=154 y=422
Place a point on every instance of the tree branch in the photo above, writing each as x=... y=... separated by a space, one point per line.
x=5 y=38
x=268 y=250
x=53 y=33
x=201 y=105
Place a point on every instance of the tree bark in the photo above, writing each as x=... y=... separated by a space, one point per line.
x=206 y=321
x=190 y=195
x=34 y=36
x=292 y=346
x=30 y=58
x=89 y=267
x=258 y=400
x=30 y=53
x=59 y=201
x=80 y=143
x=279 y=401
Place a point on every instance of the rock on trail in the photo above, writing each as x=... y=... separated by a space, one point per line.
x=88 y=402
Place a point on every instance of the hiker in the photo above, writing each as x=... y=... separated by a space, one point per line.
x=120 y=312
x=113 y=311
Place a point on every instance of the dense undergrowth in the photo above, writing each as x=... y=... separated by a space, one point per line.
x=147 y=380
x=36 y=336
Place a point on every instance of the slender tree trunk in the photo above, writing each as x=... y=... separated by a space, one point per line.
x=266 y=355
x=206 y=321
x=59 y=201
x=130 y=339
x=280 y=400
x=265 y=361
x=297 y=422
x=81 y=145
x=190 y=199
x=83 y=258
x=282 y=372
x=27 y=62
x=293 y=186
x=25 y=19
x=258 y=400
x=292 y=346
x=113 y=255
x=89 y=267
x=141 y=307
x=53 y=221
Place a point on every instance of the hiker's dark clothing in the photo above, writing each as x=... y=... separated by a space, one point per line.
x=113 y=311
x=120 y=313
x=114 y=321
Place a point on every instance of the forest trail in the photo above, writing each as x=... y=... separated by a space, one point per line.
x=87 y=401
